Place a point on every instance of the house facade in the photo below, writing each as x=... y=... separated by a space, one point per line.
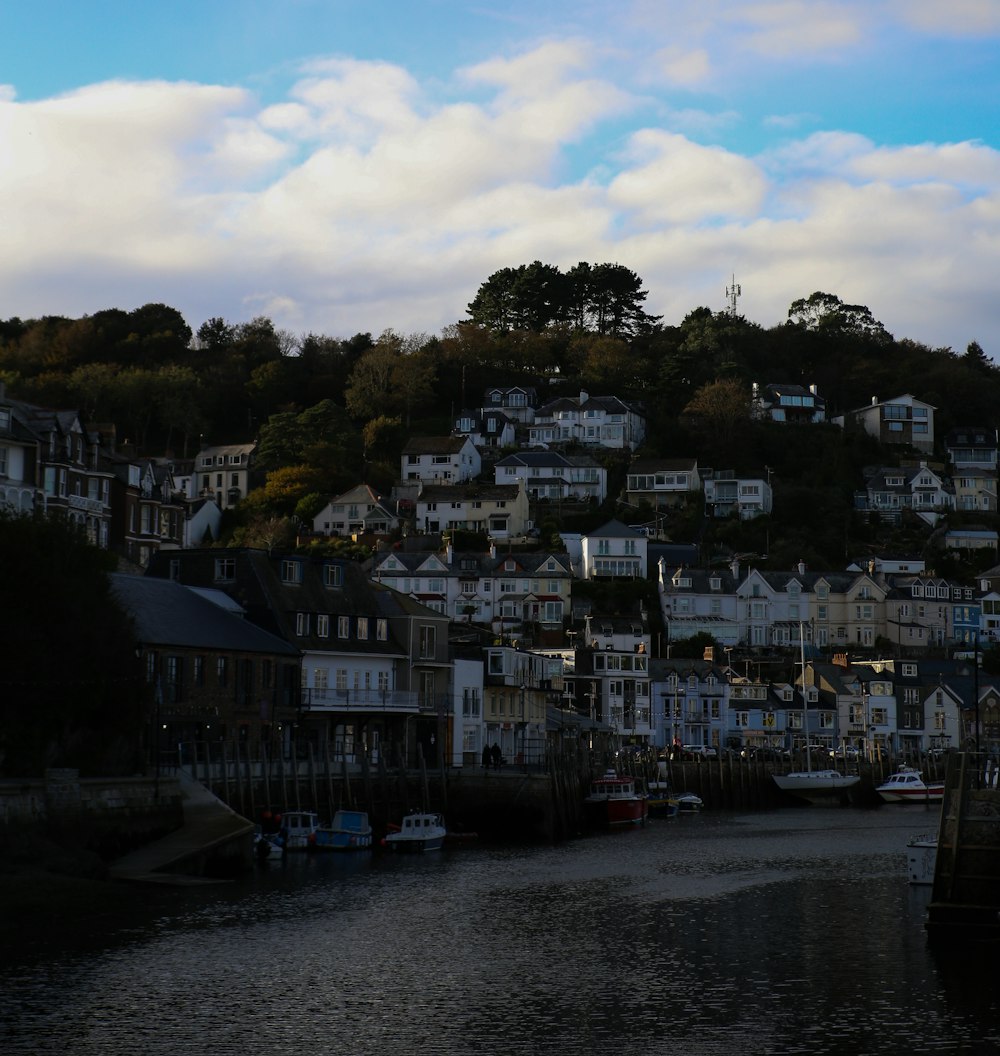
x=795 y=404
x=552 y=476
x=662 y=482
x=614 y=550
x=498 y=510
x=595 y=421
x=901 y=420
x=358 y=511
x=223 y=473
x=727 y=494
x=440 y=460
x=486 y=428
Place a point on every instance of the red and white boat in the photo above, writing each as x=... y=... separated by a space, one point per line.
x=613 y=802
x=908 y=786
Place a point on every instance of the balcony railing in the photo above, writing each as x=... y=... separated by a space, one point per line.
x=360 y=700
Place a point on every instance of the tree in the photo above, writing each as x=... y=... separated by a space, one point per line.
x=826 y=313
x=721 y=410
x=87 y=710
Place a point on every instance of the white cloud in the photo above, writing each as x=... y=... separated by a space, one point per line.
x=955 y=18
x=677 y=181
x=792 y=28
x=687 y=68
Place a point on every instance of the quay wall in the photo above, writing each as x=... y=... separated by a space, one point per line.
x=104 y=815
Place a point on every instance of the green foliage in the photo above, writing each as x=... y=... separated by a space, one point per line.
x=693 y=648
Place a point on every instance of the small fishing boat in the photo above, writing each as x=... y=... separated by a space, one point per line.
x=921 y=859
x=419 y=832
x=688 y=802
x=908 y=786
x=815 y=785
x=349 y=831
x=660 y=801
x=613 y=802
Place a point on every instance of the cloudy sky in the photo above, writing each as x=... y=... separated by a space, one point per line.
x=343 y=166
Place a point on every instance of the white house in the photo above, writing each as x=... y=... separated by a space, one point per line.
x=614 y=550
x=901 y=420
x=486 y=428
x=499 y=510
x=552 y=475
x=440 y=460
x=661 y=482
x=726 y=493
x=223 y=473
x=358 y=511
x=595 y=421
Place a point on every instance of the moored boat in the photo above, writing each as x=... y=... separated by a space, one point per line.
x=908 y=786
x=613 y=801
x=419 y=832
x=348 y=831
x=815 y=785
x=297 y=830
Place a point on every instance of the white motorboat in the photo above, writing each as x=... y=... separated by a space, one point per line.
x=418 y=833
x=908 y=786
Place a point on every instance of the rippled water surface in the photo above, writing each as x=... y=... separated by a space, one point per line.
x=788 y=932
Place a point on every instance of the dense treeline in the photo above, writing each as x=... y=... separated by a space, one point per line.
x=327 y=410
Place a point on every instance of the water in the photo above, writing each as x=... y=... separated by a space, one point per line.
x=786 y=932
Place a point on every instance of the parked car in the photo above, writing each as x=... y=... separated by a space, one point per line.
x=698 y=751
x=845 y=751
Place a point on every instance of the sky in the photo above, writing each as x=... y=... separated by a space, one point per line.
x=343 y=166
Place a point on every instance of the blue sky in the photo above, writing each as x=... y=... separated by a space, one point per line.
x=343 y=166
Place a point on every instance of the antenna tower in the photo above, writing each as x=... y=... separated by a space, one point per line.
x=733 y=293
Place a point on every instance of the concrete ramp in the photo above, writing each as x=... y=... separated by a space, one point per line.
x=214 y=839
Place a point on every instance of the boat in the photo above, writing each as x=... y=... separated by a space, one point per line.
x=815 y=784
x=266 y=847
x=348 y=831
x=614 y=802
x=809 y=784
x=688 y=802
x=419 y=832
x=660 y=801
x=908 y=786
x=921 y=859
x=297 y=830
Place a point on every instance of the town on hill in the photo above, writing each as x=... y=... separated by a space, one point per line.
x=559 y=518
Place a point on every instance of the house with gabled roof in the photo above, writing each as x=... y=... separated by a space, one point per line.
x=516 y=401
x=595 y=421
x=224 y=473
x=972 y=447
x=512 y=593
x=486 y=428
x=357 y=511
x=552 y=475
x=498 y=510
x=440 y=460
x=614 y=551
x=374 y=662
x=891 y=489
x=901 y=420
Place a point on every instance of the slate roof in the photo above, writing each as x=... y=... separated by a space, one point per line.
x=435 y=445
x=468 y=492
x=169 y=614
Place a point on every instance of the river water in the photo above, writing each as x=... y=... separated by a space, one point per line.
x=785 y=932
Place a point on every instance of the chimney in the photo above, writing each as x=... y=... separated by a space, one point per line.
x=801 y=566
x=493 y=548
x=449 y=555
x=709 y=654
x=874 y=401
x=734 y=567
x=813 y=389
x=840 y=660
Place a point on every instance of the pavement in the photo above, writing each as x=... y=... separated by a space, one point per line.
x=208 y=823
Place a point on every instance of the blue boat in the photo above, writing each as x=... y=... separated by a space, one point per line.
x=349 y=831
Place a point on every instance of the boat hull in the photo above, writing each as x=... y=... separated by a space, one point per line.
x=349 y=831
x=816 y=785
x=413 y=845
x=618 y=813
x=930 y=794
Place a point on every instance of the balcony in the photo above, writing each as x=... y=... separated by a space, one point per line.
x=364 y=700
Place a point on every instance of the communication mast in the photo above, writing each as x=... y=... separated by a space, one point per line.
x=733 y=293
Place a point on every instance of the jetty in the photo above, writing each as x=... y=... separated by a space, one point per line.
x=964 y=910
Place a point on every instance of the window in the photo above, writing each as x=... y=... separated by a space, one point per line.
x=382 y=629
x=222 y=671
x=301 y=623
x=343 y=626
x=323 y=625
x=225 y=569
x=291 y=572
x=428 y=642
x=363 y=628
x=333 y=575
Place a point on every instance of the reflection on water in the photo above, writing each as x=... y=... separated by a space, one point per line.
x=787 y=932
